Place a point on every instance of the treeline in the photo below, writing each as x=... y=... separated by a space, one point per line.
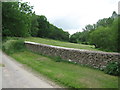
x=18 y=20
x=103 y=34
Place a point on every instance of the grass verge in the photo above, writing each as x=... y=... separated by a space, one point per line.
x=62 y=44
x=2 y=65
x=68 y=74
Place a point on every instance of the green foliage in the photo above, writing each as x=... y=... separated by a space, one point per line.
x=57 y=59
x=67 y=74
x=103 y=35
x=2 y=65
x=61 y=43
x=16 y=19
x=89 y=27
x=106 y=37
x=13 y=46
x=113 y=68
x=47 y=30
x=104 y=22
x=100 y=37
x=80 y=37
x=43 y=25
x=119 y=34
x=84 y=37
x=20 y=21
x=74 y=38
x=34 y=25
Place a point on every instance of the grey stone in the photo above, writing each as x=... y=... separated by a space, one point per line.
x=96 y=59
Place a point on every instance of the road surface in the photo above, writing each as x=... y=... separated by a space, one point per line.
x=14 y=75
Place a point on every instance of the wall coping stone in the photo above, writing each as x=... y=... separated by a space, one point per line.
x=73 y=49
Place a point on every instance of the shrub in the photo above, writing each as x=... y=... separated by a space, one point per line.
x=57 y=59
x=12 y=46
x=113 y=68
x=86 y=43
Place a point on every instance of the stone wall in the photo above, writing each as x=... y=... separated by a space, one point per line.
x=96 y=59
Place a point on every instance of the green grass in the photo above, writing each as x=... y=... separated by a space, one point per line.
x=67 y=74
x=2 y=65
x=13 y=46
x=60 y=43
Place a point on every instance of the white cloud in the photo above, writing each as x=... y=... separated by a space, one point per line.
x=77 y=13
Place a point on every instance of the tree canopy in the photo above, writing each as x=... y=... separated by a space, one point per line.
x=20 y=21
x=104 y=34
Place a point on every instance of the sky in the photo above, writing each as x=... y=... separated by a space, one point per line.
x=73 y=15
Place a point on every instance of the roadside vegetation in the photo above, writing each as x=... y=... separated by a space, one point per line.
x=2 y=65
x=62 y=72
x=61 y=43
x=25 y=23
x=20 y=23
x=103 y=35
x=67 y=74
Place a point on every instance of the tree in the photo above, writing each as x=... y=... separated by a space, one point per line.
x=114 y=15
x=47 y=30
x=100 y=37
x=106 y=37
x=89 y=27
x=104 y=34
x=84 y=37
x=74 y=38
x=118 y=33
x=34 y=25
x=43 y=26
x=16 y=19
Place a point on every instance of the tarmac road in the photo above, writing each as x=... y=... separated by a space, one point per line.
x=14 y=75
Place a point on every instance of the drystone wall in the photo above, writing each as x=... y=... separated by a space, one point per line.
x=96 y=59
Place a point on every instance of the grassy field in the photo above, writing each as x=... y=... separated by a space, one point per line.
x=60 y=43
x=65 y=73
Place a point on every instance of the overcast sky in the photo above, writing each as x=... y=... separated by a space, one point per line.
x=73 y=15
